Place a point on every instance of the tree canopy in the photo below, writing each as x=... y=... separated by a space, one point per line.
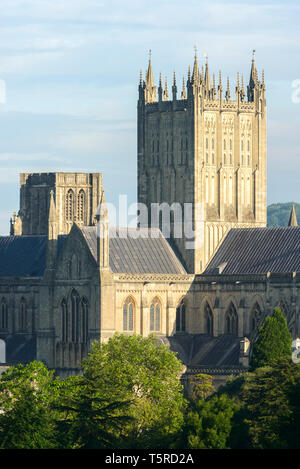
x=274 y=341
x=26 y=395
x=146 y=373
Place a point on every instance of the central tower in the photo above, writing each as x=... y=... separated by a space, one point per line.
x=205 y=149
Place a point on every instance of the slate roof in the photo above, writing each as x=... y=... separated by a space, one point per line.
x=24 y=256
x=204 y=350
x=149 y=252
x=257 y=251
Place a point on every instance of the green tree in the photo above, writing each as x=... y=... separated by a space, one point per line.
x=208 y=423
x=274 y=341
x=269 y=413
x=26 y=396
x=271 y=400
x=86 y=420
x=140 y=370
x=202 y=386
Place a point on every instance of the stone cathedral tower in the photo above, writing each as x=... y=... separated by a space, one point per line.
x=76 y=197
x=205 y=148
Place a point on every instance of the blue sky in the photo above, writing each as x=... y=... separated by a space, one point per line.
x=71 y=71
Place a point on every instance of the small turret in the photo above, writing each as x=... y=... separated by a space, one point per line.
x=293 y=217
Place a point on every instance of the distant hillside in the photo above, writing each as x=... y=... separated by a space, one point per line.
x=279 y=214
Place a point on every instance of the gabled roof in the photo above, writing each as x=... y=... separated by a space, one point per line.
x=257 y=251
x=136 y=251
x=24 y=256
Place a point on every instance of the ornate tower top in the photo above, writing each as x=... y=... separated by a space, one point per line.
x=199 y=85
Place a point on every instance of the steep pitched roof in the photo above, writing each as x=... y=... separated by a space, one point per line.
x=24 y=256
x=138 y=251
x=257 y=251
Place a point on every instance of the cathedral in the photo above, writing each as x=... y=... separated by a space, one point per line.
x=68 y=278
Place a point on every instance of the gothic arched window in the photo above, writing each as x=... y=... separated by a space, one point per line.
x=75 y=300
x=208 y=319
x=23 y=314
x=84 y=320
x=231 y=320
x=155 y=315
x=180 y=317
x=81 y=206
x=128 y=314
x=4 y=314
x=255 y=316
x=70 y=205
x=64 y=321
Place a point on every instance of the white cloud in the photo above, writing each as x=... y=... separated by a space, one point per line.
x=32 y=157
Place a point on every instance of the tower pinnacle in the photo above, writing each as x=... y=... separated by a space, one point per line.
x=293 y=217
x=150 y=87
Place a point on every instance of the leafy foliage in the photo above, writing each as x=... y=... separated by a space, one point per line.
x=86 y=419
x=202 y=386
x=274 y=341
x=269 y=413
x=272 y=403
x=26 y=395
x=208 y=423
x=139 y=370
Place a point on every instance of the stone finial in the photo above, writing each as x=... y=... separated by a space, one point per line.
x=196 y=78
x=183 y=92
x=166 y=93
x=242 y=91
x=206 y=77
x=227 y=94
x=214 y=91
x=160 y=89
x=174 y=87
x=220 y=87
x=150 y=87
